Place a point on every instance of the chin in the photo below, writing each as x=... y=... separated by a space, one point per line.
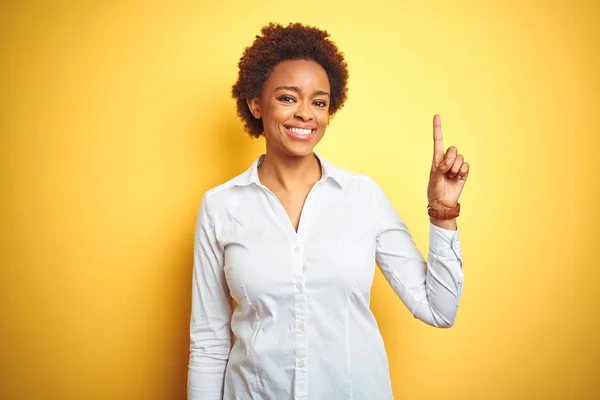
x=299 y=150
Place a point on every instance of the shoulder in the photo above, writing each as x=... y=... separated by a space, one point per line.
x=227 y=194
x=225 y=188
x=362 y=189
x=354 y=181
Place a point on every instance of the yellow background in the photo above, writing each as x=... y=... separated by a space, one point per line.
x=116 y=117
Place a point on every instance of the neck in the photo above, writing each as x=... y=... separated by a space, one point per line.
x=289 y=172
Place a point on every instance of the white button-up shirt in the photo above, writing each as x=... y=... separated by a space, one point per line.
x=303 y=328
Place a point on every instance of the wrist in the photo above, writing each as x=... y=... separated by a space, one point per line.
x=440 y=206
x=443 y=213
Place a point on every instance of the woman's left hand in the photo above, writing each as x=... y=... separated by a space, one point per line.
x=448 y=174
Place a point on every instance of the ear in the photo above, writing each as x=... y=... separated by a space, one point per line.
x=254 y=106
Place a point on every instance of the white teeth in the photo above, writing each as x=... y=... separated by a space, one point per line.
x=299 y=131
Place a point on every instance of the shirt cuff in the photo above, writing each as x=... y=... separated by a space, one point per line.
x=444 y=242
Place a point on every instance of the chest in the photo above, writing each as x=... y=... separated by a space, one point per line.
x=317 y=244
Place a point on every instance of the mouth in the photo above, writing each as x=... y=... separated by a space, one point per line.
x=300 y=133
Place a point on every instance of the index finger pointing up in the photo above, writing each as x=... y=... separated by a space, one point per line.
x=438 y=143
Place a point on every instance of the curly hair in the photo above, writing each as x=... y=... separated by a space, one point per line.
x=277 y=44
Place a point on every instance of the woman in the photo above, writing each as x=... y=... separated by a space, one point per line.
x=294 y=240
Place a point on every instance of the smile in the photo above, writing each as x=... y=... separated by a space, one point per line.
x=300 y=133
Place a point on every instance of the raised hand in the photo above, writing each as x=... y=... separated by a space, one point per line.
x=448 y=174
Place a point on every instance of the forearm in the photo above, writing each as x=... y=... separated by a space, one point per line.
x=445 y=276
x=206 y=374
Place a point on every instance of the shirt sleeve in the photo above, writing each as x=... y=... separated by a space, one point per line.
x=430 y=289
x=211 y=313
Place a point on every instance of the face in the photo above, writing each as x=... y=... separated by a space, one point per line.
x=294 y=107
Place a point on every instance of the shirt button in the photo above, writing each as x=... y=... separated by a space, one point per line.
x=301 y=325
x=299 y=286
x=301 y=364
x=297 y=249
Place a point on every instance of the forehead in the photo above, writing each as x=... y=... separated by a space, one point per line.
x=306 y=74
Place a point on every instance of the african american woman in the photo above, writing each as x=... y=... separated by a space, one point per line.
x=295 y=240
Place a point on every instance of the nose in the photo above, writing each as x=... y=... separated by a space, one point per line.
x=303 y=111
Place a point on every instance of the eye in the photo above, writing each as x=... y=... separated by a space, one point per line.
x=320 y=104
x=286 y=99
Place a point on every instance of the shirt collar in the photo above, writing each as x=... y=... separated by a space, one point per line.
x=328 y=171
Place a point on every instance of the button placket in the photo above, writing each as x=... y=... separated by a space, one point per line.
x=301 y=381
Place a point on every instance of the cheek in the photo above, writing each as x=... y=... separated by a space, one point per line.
x=277 y=114
x=323 y=119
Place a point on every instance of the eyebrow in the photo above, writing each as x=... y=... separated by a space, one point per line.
x=297 y=89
